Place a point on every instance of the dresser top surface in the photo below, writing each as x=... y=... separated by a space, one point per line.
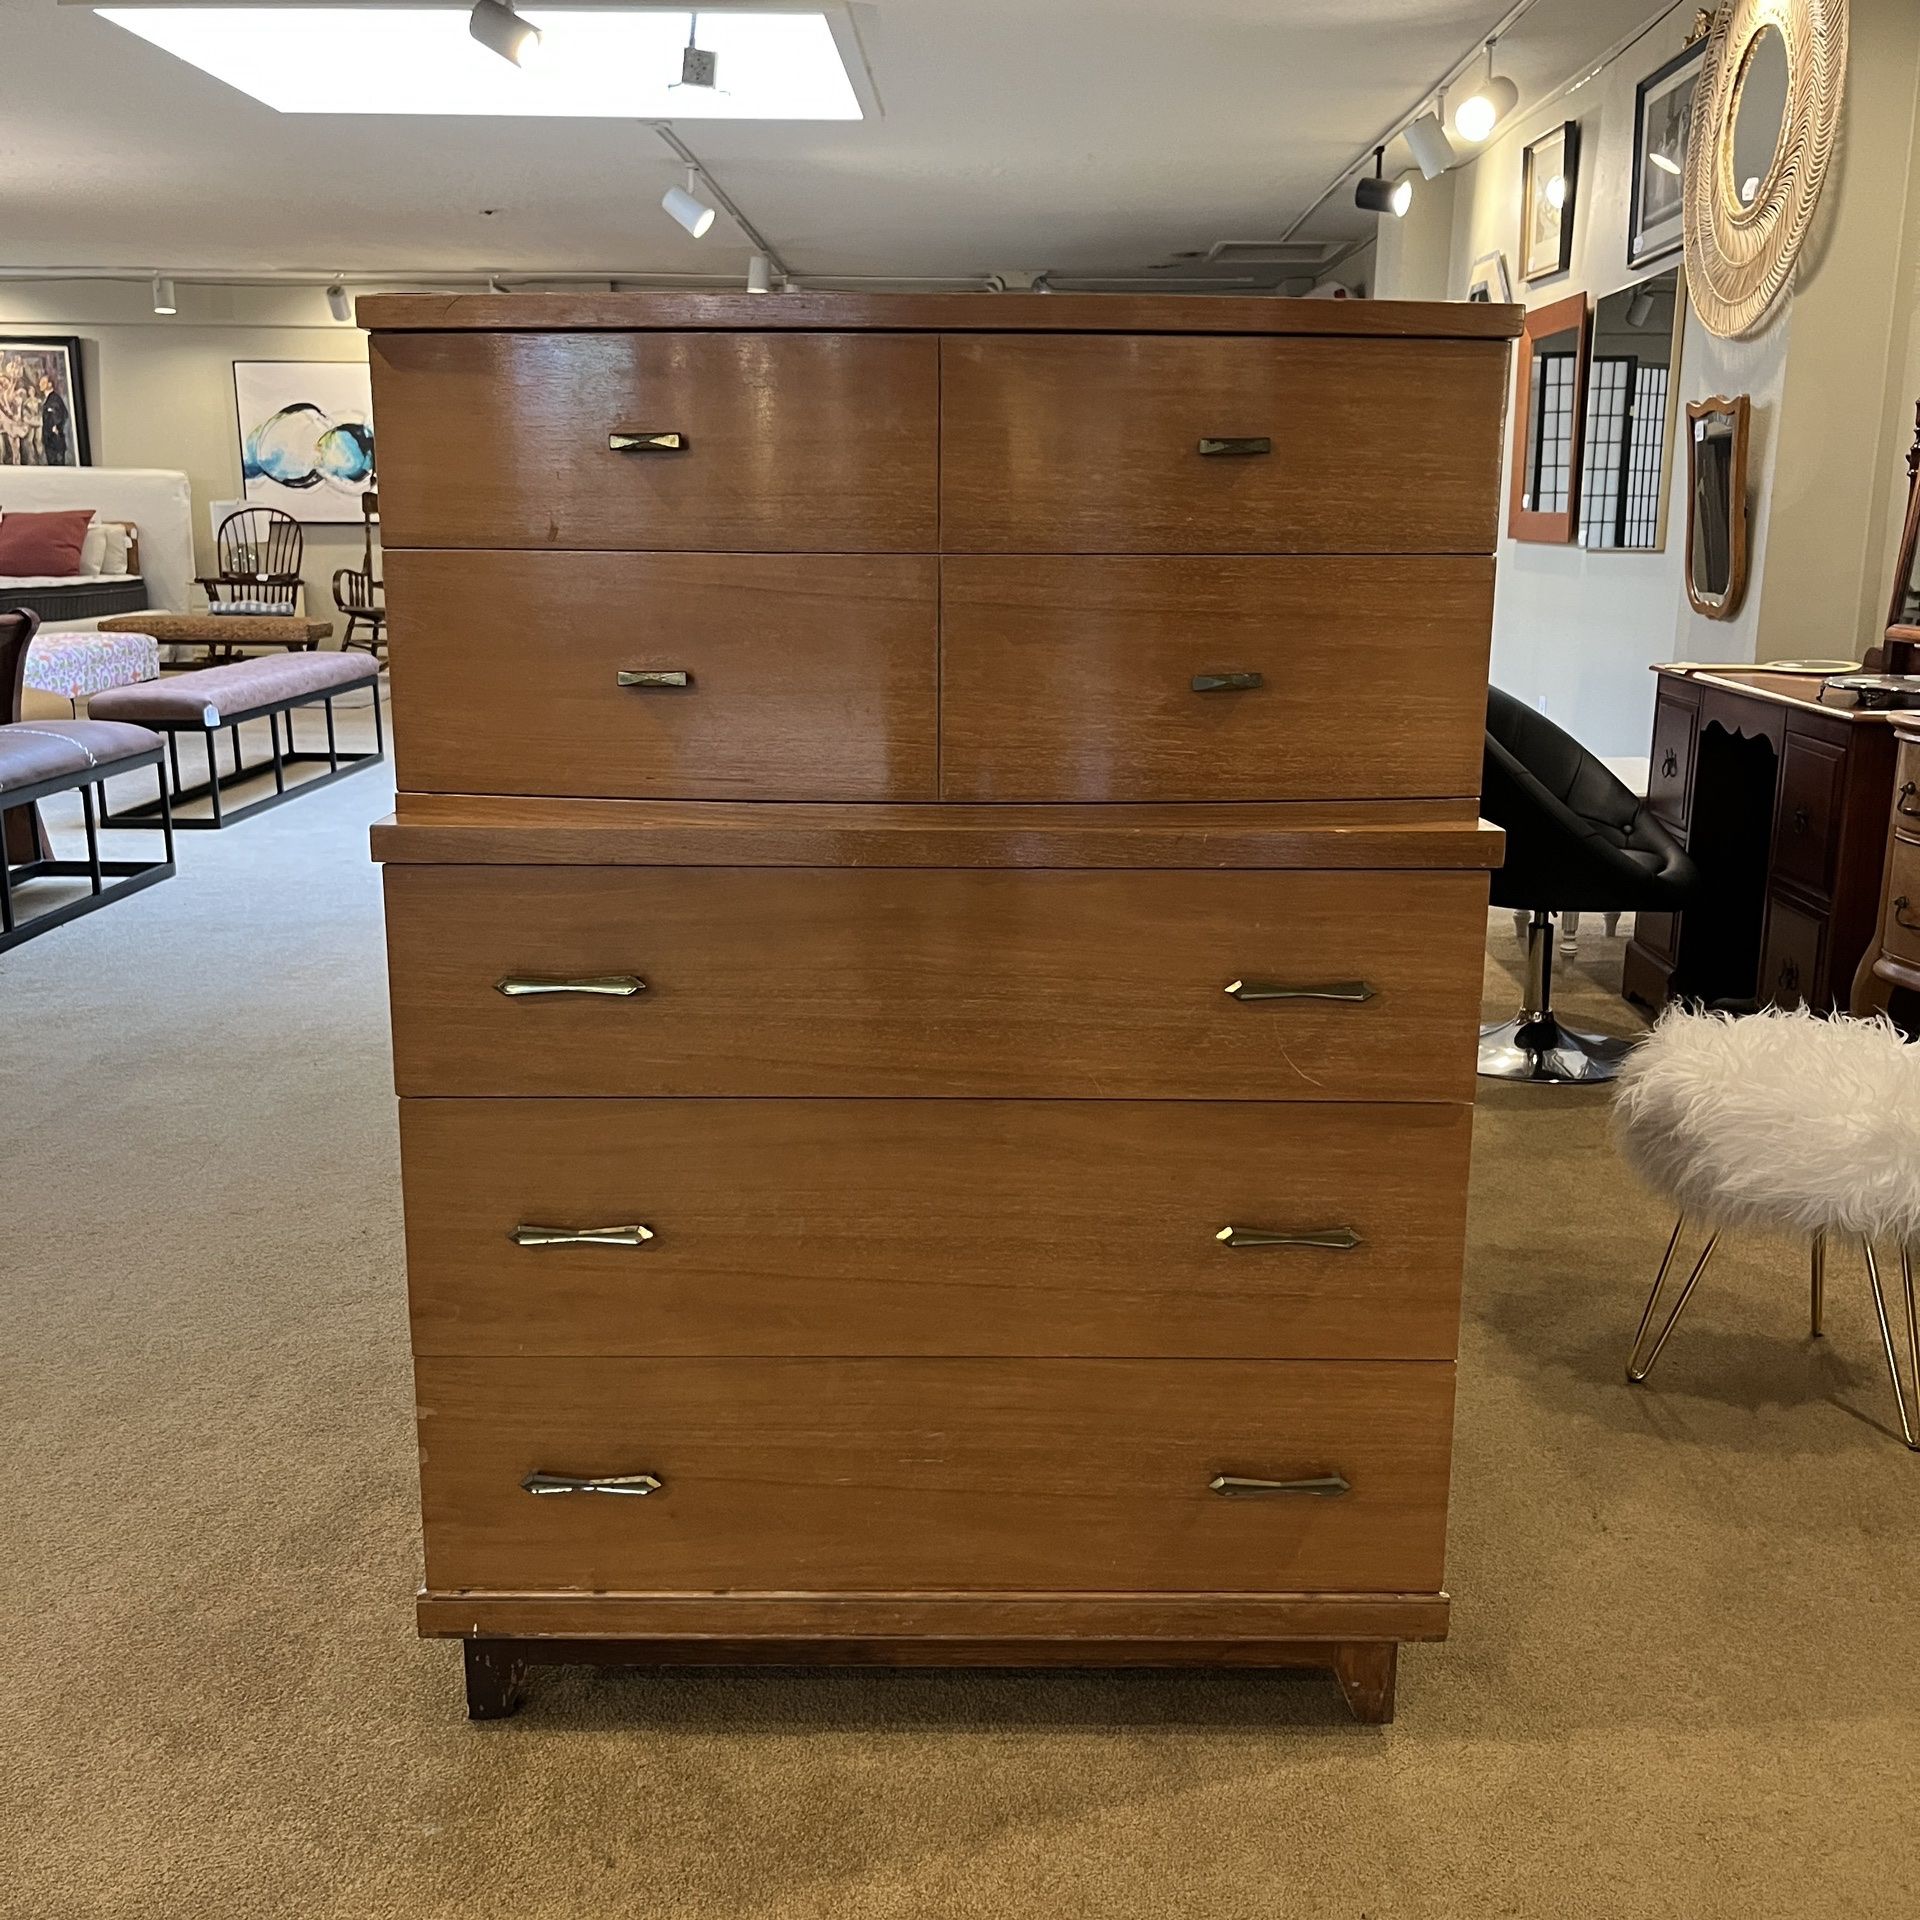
x=938 y=313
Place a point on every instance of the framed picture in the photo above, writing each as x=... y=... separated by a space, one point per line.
x=1490 y=280
x=1662 y=120
x=1549 y=177
x=43 y=406
x=306 y=436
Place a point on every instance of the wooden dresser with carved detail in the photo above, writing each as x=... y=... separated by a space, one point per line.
x=935 y=914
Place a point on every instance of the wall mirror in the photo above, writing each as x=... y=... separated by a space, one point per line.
x=1759 y=114
x=1717 y=505
x=1549 y=409
x=1633 y=405
x=1903 y=613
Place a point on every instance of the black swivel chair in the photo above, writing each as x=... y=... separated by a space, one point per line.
x=1577 y=842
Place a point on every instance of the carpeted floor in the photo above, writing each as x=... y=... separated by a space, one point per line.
x=1684 y=1678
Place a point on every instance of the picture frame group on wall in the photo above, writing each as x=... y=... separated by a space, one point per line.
x=43 y=402
x=1550 y=178
x=1662 y=129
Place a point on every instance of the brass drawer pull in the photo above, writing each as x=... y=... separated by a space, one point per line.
x=653 y=677
x=1225 y=682
x=1907 y=791
x=1257 y=443
x=1233 y=1486
x=1351 y=990
x=631 y=1483
x=1900 y=915
x=607 y=986
x=639 y=440
x=634 y=1236
x=1335 y=1239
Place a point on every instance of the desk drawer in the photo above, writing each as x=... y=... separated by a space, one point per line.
x=788 y=443
x=807 y=677
x=1083 y=444
x=1806 y=827
x=1901 y=935
x=1670 y=768
x=1097 y=678
x=935 y=1227
x=877 y=1475
x=918 y=982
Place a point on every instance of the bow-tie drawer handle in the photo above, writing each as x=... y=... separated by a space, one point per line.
x=645 y=440
x=637 y=1484
x=1352 y=991
x=531 y=1236
x=1235 y=1486
x=603 y=986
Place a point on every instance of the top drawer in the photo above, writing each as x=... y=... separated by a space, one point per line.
x=786 y=443
x=1160 y=444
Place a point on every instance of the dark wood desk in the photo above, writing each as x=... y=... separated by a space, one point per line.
x=1783 y=803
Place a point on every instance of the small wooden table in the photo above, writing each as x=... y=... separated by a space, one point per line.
x=1782 y=801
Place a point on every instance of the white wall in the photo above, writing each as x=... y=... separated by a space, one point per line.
x=160 y=390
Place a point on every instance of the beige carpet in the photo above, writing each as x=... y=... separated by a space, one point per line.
x=1684 y=1678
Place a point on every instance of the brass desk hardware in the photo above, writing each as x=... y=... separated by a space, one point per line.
x=1258 y=443
x=1901 y=806
x=639 y=440
x=1900 y=907
x=1352 y=990
x=1225 y=682
x=1335 y=1239
x=1233 y=1486
x=639 y=1484
x=634 y=1236
x=653 y=677
x=608 y=986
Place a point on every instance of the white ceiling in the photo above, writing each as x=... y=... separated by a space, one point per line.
x=1083 y=136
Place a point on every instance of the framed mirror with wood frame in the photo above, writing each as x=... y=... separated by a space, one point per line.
x=1717 y=432
x=1549 y=415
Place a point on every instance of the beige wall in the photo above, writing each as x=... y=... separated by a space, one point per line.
x=160 y=391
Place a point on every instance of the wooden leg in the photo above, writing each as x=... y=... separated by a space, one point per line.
x=496 y=1679
x=1365 y=1670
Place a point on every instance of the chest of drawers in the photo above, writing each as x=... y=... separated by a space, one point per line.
x=935 y=913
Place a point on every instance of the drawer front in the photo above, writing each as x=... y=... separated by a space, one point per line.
x=1670 y=769
x=936 y=982
x=1807 y=824
x=1901 y=934
x=877 y=1475
x=805 y=677
x=1095 y=445
x=1790 y=957
x=1906 y=782
x=934 y=1227
x=787 y=443
x=1104 y=678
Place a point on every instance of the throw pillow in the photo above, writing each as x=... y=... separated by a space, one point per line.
x=46 y=545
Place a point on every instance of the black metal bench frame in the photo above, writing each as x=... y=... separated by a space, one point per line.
x=127 y=876
x=217 y=784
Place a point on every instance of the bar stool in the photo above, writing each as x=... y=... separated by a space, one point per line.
x=1785 y=1122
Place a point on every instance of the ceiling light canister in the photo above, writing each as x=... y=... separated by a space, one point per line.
x=1381 y=195
x=338 y=304
x=498 y=28
x=1431 y=148
x=163 y=300
x=686 y=206
x=1487 y=105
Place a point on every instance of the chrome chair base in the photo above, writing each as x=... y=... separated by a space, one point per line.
x=1538 y=1048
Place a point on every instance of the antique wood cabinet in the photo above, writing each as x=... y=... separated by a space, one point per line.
x=935 y=914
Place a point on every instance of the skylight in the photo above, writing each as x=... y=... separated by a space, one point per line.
x=594 y=62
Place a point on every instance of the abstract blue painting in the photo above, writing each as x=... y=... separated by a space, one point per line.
x=306 y=435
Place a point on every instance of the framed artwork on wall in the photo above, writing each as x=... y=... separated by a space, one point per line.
x=306 y=436
x=43 y=405
x=1662 y=123
x=1550 y=176
x=1490 y=280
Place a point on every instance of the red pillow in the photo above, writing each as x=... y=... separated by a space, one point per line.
x=43 y=543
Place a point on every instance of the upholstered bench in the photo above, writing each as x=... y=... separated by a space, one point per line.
x=213 y=698
x=42 y=758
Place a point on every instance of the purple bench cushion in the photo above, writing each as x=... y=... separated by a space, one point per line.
x=36 y=750
x=207 y=698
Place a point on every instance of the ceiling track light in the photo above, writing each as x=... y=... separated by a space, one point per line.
x=686 y=206
x=759 y=274
x=1381 y=195
x=338 y=304
x=499 y=29
x=163 y=300
x=1428 y=142
x=1487 y=105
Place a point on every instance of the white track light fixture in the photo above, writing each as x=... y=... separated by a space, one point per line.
x=498 y=28
x=1381 y=195
x=759 y=274
x=338 y=304
x=1427 y=139
x=686 y=206
x=163 y=300
x=1487 y=105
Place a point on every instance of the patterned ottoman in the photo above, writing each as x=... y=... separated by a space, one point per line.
x=71 y=666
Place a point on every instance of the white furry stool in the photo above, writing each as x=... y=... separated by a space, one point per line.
x=1783 y=1121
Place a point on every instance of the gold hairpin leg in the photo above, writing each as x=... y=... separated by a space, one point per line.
x=1637 y=1373
x=1886 y=1335
x=1819 y=1263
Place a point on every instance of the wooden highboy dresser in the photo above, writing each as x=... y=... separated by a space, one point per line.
x=935 y=914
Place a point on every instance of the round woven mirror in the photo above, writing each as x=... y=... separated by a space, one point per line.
x=1765 y=118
